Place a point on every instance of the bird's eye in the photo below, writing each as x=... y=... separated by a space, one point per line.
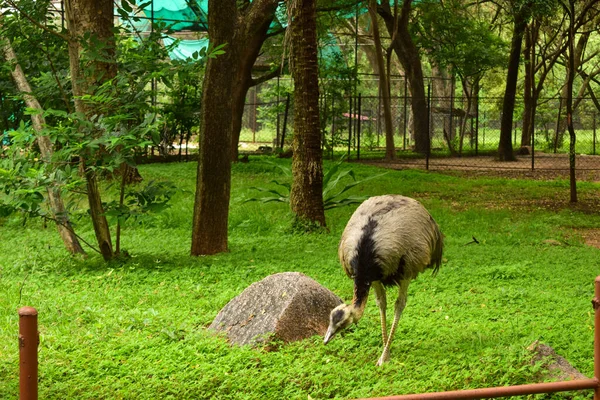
x=337 y=316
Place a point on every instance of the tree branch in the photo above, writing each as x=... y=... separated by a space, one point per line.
x=37 y=23
x=70 y=229
x=268 y=76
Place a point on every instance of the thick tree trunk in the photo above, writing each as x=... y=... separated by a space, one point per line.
x=57 y=207
x=505 y=148
x=408 y=54
x=211 y=208
x=384 y=87
x=306 y=196
x=226 y=83
x=93 y=17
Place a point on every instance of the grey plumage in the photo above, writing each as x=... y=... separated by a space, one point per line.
x=388 y=241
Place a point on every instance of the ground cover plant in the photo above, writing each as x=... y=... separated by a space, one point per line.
x=136 y=328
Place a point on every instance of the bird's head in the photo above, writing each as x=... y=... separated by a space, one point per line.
x=340 y=318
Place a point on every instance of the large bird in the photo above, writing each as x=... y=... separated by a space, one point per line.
x=388 y=241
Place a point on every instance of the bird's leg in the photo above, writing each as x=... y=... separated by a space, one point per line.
x=382 y=304
x=399 y=307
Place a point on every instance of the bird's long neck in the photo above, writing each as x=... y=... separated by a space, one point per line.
x=359 y=301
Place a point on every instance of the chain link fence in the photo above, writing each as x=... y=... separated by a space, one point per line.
x=463 y=133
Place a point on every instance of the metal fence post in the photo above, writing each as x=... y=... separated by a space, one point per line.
x=428 y=127
x=332 y=124
x=533 y=148
x=349 y=126
x=359 y=112
x=28 y=347
x=594 y=139
x=404 y=122
x=477 y=123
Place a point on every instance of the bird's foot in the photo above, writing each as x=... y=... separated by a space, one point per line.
x=385 y=357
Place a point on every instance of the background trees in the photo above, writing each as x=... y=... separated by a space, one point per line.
x=102 y=89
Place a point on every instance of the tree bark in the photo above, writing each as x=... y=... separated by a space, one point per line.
x=306 y=195
x=93 y=17
x=408 y=54
x=569 y=88
x=57 y=207
x=505 y=148
x=529 y=84
x=226 y=82
x=384 y=87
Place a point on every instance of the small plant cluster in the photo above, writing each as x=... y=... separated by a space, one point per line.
x=335 y=185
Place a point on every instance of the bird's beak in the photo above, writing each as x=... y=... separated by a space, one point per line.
x=329 y=335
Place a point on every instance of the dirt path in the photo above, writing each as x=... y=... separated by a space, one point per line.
x=546 y=166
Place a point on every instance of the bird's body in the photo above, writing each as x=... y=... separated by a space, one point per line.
x=388 y=241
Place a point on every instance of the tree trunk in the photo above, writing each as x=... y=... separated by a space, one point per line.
x=93 y=17
x=443 y=89
x=226 y=82
x=57 y=207
x=384 y=87
x=578 y=53
x=408 y=54
x=505 y=148
x=306 y=195
x=529 y=84
x=211 y=208
x=569 y=88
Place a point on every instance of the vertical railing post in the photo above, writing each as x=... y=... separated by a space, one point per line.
x=28 y=348
x=596 y=303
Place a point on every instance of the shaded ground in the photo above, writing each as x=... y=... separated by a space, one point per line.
x=545 y=166
x=591 y=237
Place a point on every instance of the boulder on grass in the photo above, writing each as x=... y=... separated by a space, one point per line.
x=288 y=306
x=555 y=366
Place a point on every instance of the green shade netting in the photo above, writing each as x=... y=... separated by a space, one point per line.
x=329 y=51
x=180 y=15
x=192 y=15
x=185 y=48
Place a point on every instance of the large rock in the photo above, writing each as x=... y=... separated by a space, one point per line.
x=288 y=306
x=556 y=367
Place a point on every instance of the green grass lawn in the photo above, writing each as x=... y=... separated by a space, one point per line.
x=136 y=329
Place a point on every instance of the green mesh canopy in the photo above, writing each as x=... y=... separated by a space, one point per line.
x=180 y=15
x=192 y=15
x=185 y=48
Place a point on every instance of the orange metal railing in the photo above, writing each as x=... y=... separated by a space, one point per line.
x=536 y=388
x=29 y=341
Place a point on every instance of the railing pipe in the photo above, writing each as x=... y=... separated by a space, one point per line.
x=520 y=390
x=596 y=304
x=494 y=392
x=28 y=348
